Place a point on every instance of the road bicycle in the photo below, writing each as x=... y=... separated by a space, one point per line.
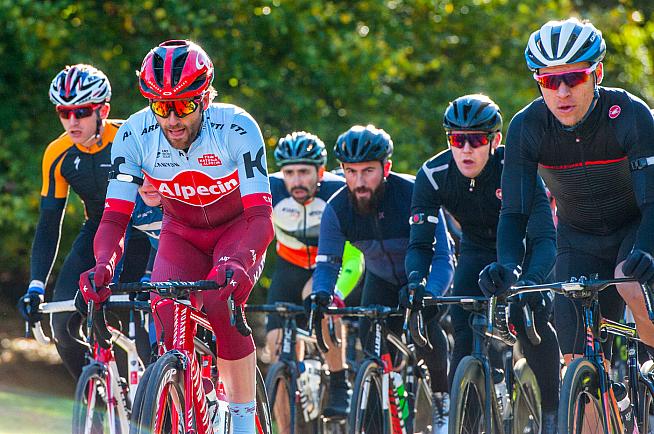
x=294 y=386
x=588 y=403
x=172 y=397
x=391 y=394
x=103 y=399
x=483 y=399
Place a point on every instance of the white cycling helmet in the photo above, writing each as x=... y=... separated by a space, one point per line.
x=78 y=85
x=563 y=43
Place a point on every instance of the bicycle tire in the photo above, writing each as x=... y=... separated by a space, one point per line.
x=580 y=408
x=468 y=398
x=166 y=383
x=279 y=375
x=366 y=412
x=646 y=402
x=263 y=418
x=137 y=406
x=90 y=385
x=526 y=400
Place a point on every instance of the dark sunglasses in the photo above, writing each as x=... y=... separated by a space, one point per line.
x=476 y=140
x=79 y=112
x=182 y=108
x=570 y=78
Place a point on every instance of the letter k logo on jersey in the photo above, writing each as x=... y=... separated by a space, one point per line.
x=210 y=160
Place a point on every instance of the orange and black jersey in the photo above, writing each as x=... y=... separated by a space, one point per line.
x=65 y=166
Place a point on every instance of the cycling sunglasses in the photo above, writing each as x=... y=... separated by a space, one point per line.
x=570 y=78
x=476 y=140
x=182 y=107
x=79 y=112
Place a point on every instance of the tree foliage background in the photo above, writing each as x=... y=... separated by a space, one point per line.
x=316 y=65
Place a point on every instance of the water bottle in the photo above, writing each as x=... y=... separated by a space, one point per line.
x=402 y=404
x=217 y=406
x=312 y=369
x=304 y=387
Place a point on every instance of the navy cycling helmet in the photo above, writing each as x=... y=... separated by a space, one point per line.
x=473 y=112
x=563 y=43
x=359 y=144
x=300 y=147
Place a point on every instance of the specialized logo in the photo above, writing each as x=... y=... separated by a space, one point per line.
x=210 y=160
x=498 y=193
x=77 y=160
x=196 y=188
x=614 y=111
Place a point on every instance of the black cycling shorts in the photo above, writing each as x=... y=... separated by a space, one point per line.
x=582 y=254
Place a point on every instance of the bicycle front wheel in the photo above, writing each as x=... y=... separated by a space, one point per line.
x=526 y=400
x=580 y=410
x=90 y=412
x=284 y=403
x=163 y=406
x=262 y=418
x=468 y=399
x=366 y=412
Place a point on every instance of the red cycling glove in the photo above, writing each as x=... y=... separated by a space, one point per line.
x=103 y=274
x=239 y=285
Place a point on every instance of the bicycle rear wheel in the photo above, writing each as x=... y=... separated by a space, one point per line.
x=526 y=402
x=468 y=399
x=263 y=420
x=90 y=411
x=284 y=401
x=580 y=410
x=163 y=406
x=366 y=412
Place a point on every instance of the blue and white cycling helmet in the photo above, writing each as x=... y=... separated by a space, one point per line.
x=563 y=43
x=300 y=147
x=80 y=85
x=359 y=144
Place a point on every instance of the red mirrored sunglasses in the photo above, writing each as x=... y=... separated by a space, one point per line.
x=476 y=140
x=182 y=107
x=80 y=112
x=570 y=78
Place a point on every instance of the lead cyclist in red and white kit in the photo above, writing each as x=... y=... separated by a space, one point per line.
x=208 y=163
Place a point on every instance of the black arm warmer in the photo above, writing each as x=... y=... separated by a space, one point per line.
x=46 y=240
x=645 y=235
x=421 y=249
x=510 y=235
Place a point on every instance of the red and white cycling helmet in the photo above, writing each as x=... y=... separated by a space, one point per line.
x=79 y=85
x=176 y=69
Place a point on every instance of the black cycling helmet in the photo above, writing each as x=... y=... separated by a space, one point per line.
x=473 y=112
x=300 y=147
x=361 y=143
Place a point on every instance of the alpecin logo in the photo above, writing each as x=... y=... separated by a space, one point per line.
x=210 y=160
x=196 y=188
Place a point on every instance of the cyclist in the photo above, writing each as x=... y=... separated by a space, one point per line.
x=208 y=163
x=593 y=147
x=79 y=159
x=373 y=214
x=465 y=179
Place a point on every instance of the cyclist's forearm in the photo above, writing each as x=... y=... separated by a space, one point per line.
x=510 y=235
x=108 y=243
x=46 y=242
x=541 y=260
x=645 y=235
x=420 y=251
x=256 y=237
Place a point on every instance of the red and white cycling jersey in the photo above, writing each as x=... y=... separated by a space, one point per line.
x=222 y=173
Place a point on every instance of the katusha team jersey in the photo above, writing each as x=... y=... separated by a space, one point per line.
x=212 y=182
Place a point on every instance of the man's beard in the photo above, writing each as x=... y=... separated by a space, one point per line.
x=367 y=206
x=304 y=199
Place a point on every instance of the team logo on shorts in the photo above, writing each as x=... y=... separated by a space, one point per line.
x=614 y=111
